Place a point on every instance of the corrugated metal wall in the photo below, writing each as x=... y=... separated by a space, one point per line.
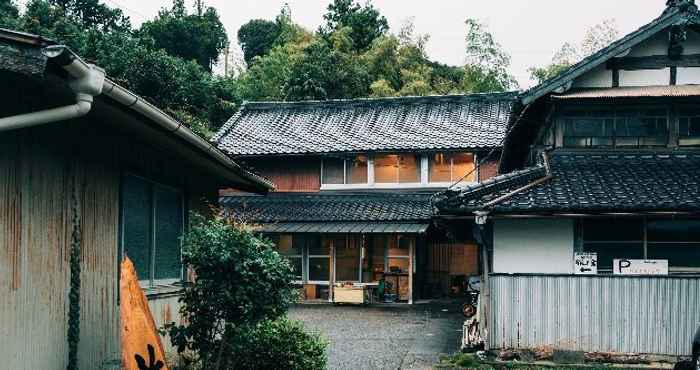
x=166 y=309
x=35 y=227
x=655 y=315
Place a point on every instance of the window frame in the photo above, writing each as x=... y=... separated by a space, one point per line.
x=151 y=282
x=335 y=255
x=645 y=242
x=423 y=162
x=613 y=114
x=309 y=256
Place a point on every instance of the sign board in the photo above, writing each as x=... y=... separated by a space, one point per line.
x=640 y=267
x=585 y=263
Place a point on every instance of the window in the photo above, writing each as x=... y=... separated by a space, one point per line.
x=377 y=254
x=613 y=239
x=319 y=261
x=347 y=257
x=398 y=255
x=615 y=128
x=396 y=168
x=689 y=127
x=451 y=167
x=675 y=240
x=678 y=241
x=293 y=253
x=152 y=227
x=356 y=170
x=338 y=171
x=333 y=169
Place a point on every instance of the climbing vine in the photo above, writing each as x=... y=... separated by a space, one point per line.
x=74 y=295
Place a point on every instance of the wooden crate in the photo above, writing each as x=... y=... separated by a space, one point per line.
x=349 y=295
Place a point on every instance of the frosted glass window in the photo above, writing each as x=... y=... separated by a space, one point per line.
x=152 y=227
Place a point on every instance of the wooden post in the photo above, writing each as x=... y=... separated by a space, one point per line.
x=411 y=256
x=331 y=283
x=485 y=294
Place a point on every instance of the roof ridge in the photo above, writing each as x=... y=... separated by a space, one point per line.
x=387 y=100
x=499 y=182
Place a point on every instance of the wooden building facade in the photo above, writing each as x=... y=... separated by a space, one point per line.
x=354 y=182
x=593 y=230
x=134 y=183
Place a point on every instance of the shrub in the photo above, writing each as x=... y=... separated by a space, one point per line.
x=240 y=281
x=278 y=344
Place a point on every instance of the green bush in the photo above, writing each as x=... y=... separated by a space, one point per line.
x=278 y=344
x=240 y=281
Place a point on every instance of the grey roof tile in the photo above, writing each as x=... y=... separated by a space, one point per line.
x=594 y=182
x=324 y=207
x=412 y=123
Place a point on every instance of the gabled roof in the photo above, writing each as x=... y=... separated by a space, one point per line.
x=366 y=125
x=589 y=182
x=32 y=55
x=678 y=13
x=318 y=207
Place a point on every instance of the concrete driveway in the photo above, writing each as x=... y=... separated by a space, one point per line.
x=384 y=337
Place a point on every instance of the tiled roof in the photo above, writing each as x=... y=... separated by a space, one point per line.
x=593 y=182
x=411 y=123
x=289 y=207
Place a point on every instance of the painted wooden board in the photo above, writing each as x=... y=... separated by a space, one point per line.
x=139 y=334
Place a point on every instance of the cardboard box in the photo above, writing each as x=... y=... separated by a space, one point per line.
x=349 y=295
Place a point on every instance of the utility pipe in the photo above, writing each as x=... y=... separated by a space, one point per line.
x=87 y=81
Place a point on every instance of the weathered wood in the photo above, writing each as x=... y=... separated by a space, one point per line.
x=653 y=62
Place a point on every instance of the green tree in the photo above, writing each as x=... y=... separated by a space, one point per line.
x=241 y=281
x=324 y=72
x=9 y=14
x=487 y=63
x=596 y=38
x=257 y=37
x=199 y=36
x=366 y=22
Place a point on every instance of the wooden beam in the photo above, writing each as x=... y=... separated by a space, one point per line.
x=653 y=62
x=674 y=76
x=411 y=257
x=331 y=276
x=615 y=77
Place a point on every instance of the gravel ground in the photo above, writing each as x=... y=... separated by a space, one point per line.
x=384 y=337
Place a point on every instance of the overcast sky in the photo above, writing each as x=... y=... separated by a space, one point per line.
x=529 y=30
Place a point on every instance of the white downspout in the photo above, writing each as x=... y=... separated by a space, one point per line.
x=87 y=82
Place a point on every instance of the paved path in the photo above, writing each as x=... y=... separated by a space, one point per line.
x=384 y=337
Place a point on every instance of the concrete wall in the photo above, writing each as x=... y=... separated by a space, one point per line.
x=533 y=246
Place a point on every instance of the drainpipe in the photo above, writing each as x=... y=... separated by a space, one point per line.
x=87 y=81
x=481 y=218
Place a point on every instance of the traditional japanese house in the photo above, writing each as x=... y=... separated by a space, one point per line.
x=592 y=232
x=354 y=184
x=79 y=152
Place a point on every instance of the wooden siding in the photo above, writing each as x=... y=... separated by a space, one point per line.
x=290 y=174
x=37 y=168
x=489 y=168
x=446 y=259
